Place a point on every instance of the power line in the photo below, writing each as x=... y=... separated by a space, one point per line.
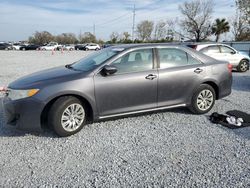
x=112 y=20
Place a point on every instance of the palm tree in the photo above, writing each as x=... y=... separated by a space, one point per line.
x=220 y=26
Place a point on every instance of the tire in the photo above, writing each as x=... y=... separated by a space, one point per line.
x=203 y=99
x=243 y=66
x=62 y=121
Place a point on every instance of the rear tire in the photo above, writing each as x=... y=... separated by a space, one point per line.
x=243 y=66
x=203 y=99
x=67 y=116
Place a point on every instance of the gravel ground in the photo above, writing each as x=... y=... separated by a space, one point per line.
x=167 y=149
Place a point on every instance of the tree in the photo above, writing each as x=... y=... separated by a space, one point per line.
x=244 y=7
x=241 y=24
x=87 y=37
x=220 y=26
x=160 y=30
x=197 y=21
x=114 y=37
x=145 y=29
x=238 y=26
x=40 y=38
x=66 y=38
x=126 y=36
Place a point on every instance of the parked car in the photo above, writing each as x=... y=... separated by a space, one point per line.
x=5 y=46
x=68 y=47
x=91 y=46
x=117 y=81
x=30 y=47
x=16 y=46
x=51 y=46
x=80 y=46
x=224 y=52
x=107 y=45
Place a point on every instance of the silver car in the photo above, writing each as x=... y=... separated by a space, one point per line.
x=240 y=61
x=117 y=81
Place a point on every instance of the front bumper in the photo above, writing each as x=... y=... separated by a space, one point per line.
x=23 y=114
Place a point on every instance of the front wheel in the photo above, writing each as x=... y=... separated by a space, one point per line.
x=67 y=116
x=203 y=99
x=243 y=66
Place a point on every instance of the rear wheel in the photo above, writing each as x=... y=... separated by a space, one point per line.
x=67 y=116
x=243 y=66
x=203 y=99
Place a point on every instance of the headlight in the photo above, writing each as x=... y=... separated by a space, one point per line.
x=19 y=94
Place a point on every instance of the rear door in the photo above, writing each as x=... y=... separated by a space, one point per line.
x=179 y=74
x=132 y=88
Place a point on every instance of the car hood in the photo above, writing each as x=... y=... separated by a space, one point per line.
x=45 y=77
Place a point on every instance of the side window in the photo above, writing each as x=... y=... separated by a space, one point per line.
x=170 y=57
x=211 y=49
x=135 y=61
x=227 y=50
x=192 y=60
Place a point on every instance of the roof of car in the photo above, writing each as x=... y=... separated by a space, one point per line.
x=127 y=46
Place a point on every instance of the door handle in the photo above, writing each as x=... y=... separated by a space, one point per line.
x=151 y=77
x=198 y=70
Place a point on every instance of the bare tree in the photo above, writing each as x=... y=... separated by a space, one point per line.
x=42 y=37
x=126 y=36
x=87 y=37
x=114 y=37
x=145 y=29
x=238 y=25
x=197 y=21
x=244 y=7
x=160 y=30
x=66 y=38
x=241 y=22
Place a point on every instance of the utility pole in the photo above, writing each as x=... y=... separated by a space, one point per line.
x=133 y=27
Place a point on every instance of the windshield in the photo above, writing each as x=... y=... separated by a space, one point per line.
x=95 y=59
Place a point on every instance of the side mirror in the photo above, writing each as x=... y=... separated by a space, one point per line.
x=108 y=70
x=233 y=52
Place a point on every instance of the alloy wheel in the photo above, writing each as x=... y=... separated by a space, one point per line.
x=72 y=117
x=205 y=100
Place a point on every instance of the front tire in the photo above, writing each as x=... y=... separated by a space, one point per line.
x=67 y=116
x=203 y=99
x=243 y=66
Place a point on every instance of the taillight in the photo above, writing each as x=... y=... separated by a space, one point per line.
x=230 y=67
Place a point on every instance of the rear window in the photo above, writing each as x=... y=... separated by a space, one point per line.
x=192 y=46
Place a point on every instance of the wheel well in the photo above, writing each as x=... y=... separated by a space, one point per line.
x=245 y=60
x=45 y=112
x=215 y=87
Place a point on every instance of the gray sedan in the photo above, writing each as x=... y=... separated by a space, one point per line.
x=117 y=81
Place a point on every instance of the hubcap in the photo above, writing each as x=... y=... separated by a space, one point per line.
x=72 y=117
x=205 y=100
x=243 y=66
